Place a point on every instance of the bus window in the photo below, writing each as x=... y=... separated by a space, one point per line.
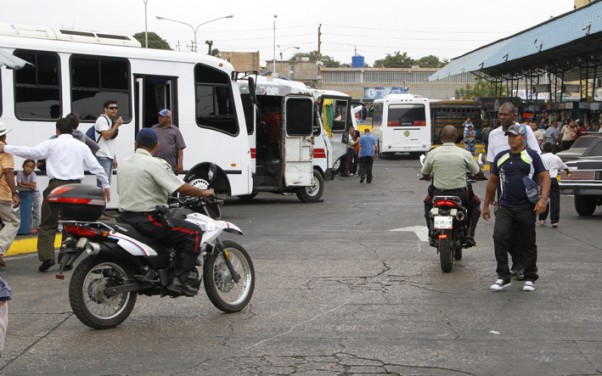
x=96 y=79
x=406 y=115
x=37 y=91
x=299 y=114
x=214 y=101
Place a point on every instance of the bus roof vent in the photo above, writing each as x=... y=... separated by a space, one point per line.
x=67 y=35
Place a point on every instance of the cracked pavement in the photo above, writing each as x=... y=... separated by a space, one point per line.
x=337 y=293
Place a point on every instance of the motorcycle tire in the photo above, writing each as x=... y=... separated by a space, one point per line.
x=225 y=294
x=87 y=297
x=446 y=256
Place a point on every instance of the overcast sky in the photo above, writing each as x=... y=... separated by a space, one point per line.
x=444 y=28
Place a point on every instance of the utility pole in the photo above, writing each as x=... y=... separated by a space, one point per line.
x=319 y=57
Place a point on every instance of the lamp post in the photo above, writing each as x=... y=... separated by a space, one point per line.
x=145 y=25
x=194 y=29
x=274 y=50
x=281 y=51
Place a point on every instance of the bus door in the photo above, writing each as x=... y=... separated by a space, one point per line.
x=297 y=142
x=151 y=95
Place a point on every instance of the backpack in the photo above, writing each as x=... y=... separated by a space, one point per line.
x=91 y=132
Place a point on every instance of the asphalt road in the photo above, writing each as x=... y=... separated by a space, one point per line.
x=338 y=293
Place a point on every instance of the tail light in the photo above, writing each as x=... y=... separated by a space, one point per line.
x=446 y=204
x=85 y=232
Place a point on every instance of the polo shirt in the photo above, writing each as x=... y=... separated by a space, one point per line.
x=511 y=168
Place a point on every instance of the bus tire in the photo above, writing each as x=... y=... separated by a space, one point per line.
x=585 y=205
x=248 y=197
x=312 y=193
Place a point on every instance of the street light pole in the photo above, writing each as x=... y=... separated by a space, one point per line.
x=145 y=25
x=274 y=50
x=194 y=29
x=281 y=51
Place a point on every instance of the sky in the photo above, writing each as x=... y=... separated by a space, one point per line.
x=374 y=29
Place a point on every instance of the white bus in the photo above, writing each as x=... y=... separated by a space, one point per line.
x=405 y=124
x=72 y=71
x=290 y=148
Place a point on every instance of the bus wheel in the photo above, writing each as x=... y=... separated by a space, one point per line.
x=312 y=193
x=248 y=197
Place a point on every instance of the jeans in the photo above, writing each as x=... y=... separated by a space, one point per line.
x=107 y=165
x=515 y=227
x=366 y=168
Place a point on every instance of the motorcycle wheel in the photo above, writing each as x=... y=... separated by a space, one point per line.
x=446 y=254
x=92 y=306
x=225 y=294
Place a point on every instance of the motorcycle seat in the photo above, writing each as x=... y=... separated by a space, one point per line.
x=131 y=231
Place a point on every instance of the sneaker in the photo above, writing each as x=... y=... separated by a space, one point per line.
x=555 y=225
x=543 y=222
x=529 y=286
x=499 y=285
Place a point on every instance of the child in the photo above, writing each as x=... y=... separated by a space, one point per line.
x=27 y=181
x=554 y=164
x=469 y=139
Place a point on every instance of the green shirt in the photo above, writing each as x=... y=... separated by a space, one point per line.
x=449 y=164
x=143 y=182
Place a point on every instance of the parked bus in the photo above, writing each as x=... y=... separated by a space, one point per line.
x=454 y=112
x=72 y=71
x=290 y=149
x=404 y=122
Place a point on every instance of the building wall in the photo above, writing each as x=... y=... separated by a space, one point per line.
x=242 y=61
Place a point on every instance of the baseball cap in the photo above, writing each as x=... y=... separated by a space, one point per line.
x=3 y=129
x=146 y=137
x=516 y=130
x=165 y=112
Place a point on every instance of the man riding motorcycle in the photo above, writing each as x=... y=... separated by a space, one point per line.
x=144 y=182
x=448 y=165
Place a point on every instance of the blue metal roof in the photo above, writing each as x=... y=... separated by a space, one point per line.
x=534 y=47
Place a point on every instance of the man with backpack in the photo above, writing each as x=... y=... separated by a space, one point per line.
x=106 y=130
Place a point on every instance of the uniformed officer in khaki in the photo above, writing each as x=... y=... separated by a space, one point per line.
x=145 y=182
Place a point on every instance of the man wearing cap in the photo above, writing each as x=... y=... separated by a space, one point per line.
x=171 y=142
x=498 y=142
x=11 y=219
x=145 y=182
x=516 y=215
x=65 y=160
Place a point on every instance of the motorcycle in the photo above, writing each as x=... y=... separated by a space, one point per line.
x=450 y=224
x=121 y=263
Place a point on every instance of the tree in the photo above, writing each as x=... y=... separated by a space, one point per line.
x=328 y=61
x=481 y=89
x=154 y=41
x=431 y=61
x=397 y=60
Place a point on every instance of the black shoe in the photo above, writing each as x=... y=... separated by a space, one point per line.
x=361 y=179
x=520 y=273
x=185 y=288
x=46 y=265
x=469 y=242
x=433 y=242
x=369 y=181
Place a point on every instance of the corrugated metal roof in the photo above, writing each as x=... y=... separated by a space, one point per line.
x=564 y=37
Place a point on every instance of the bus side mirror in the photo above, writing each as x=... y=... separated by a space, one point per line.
x=252 y=93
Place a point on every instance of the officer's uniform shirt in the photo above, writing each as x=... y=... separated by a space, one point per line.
x=448 y=164
x=145 y=182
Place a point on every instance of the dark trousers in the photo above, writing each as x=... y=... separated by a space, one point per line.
x=184 y=236
x=49 y=223
x=349 y=163
x=554 y=207
x=515 y=228
x=366 y=168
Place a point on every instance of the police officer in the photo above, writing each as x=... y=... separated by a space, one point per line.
x=448 y=165
x=145 y=182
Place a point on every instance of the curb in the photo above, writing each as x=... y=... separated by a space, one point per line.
x=28 y=244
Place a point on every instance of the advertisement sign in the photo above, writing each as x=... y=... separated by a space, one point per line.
x=378 y=92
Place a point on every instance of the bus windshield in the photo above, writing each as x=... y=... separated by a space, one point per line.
x=406 y=115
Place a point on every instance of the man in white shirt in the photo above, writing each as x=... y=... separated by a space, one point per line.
x=108 y=130
x=65 y=158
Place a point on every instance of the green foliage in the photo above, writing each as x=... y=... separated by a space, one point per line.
x=481 y=89
x=154 y=41
x=399 y=60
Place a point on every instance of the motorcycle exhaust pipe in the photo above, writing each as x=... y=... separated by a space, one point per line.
x=92 y=249
x=460 y=215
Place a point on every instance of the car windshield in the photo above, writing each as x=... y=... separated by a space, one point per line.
x=584 y=142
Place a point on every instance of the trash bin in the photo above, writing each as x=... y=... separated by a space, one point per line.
x=26 y=198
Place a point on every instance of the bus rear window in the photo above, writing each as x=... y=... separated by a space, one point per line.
x=406 y=115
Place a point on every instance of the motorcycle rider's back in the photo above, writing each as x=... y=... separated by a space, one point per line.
x=144 y=182
x=448 y=165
